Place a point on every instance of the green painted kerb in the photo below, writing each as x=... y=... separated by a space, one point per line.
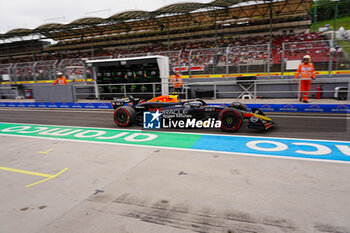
x=135 y=137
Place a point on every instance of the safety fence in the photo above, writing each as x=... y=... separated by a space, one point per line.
x=287 y=88
x=327 y=55
x=278 y=95
x=74 y=69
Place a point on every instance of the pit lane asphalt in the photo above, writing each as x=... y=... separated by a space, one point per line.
x=110 y=188
x=306 y=126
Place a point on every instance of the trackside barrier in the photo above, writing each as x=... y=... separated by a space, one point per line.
x=327 y=55
x=196 y=61
x=56 y=105
x=305 y=108
x=230 y=89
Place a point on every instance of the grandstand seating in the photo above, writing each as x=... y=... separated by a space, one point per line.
x=176 y=33
x=296 y=47
x=240 y=53
x=294 y=50
x=199 y=34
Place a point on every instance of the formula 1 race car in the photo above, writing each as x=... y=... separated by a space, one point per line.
x=129 y=110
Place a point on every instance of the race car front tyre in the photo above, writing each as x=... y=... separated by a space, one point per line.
x=231 y=120
x=124 y=116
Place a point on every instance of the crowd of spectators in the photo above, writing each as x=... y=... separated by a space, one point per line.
x=297 y=46
x=183 y=47
x=234 y=50
x=23 y=46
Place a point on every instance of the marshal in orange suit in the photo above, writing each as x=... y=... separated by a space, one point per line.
x=60 y=79
x=306 y=71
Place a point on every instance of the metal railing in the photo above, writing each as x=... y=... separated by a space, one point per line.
x=327 y=55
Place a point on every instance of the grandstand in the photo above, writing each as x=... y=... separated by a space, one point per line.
x=173 y=22
x=223 y=36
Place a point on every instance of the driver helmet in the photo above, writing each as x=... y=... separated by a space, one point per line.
x=59 y=74
x=238 y=105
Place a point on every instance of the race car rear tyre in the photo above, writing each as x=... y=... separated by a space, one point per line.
x=124 y=116
x=231 y=120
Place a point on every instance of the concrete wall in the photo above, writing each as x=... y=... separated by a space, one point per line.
x=57 y=93
x=266 y=88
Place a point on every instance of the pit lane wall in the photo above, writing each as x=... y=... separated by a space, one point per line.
x=302 y=108
x=198 y=86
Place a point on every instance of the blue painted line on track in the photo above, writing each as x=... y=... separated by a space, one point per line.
x=294 y=148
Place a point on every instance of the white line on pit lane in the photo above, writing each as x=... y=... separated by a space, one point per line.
x=110 y=110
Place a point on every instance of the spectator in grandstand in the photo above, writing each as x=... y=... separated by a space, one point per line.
x=177 y=82
x=306 y=71
x=60 y=79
